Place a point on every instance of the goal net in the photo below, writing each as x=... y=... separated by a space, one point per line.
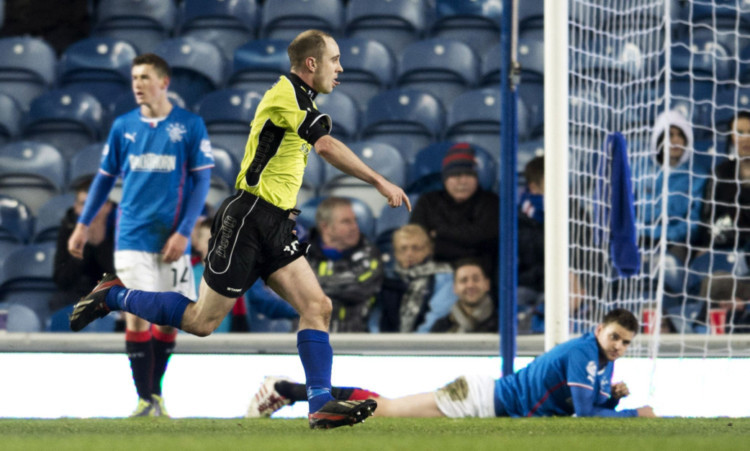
x=670 y=76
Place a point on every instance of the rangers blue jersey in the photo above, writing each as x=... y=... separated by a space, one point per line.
x=154 y=158
x=566 y=380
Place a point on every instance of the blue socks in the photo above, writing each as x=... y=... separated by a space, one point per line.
x=317 y=358
x=163 y=308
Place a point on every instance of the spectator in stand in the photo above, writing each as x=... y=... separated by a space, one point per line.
x=462 y=218
x=475 y=310
x=420 y=291
x=346 y=263
x=672 y=144
x=76 y=277
x=725 y=216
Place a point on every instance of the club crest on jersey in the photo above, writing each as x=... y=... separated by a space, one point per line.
x=176 y=131
x=305 y=148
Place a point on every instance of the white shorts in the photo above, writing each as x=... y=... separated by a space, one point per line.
x=146 y=271
x=467 y=396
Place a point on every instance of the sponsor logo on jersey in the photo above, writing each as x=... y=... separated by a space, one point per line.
x=292 y=248
x=176 y=131
x=129 y=136
x=591 y=370
x=151 y=162
x=206 y=149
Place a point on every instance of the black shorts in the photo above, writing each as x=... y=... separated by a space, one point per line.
x=250 y=238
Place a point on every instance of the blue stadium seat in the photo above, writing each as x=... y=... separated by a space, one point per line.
x=527 y=151
x=382 y=157
x=711 y=262
x=285 y=19
x=10 y=118
x=407 y=119
x=394 y=23
x=197 y=67
x=702 y=58
x=474 y=117
x=15 y=220
x=532 y=98
x=365 y=218
x=67 y=119
x=720 y=14
x=59 y=322
x=258 y=64
x=313 y=178
x=21 y=318
x=84 y=164
x=225 y=24
x=475 y=23
x=143 y=23
x=223 y=177
x=489 y=74
x=531 y=58
x=531 y=18
x=600 y=58
x=49 y=217
x=369 y=68
x=228 y=114
x=27 y=68
x=425 y=173
x=99 y=66
x=32 y=172
x=30 y=284
x=344 y=113
x=443 y=67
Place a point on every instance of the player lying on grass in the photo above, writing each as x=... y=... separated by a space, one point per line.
x=573 y=378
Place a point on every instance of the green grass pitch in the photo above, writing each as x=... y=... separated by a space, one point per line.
x=380 y=434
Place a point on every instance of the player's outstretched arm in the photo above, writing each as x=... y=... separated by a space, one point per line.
x=340 y=156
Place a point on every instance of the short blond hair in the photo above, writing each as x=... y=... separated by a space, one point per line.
x=413 y=230
x=306 y=44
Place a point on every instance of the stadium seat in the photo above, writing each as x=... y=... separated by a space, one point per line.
x=489 y=74
x=225 y=24
x=10 y=118
x=32 y=172
x=99 y=66
x=365 y=218
x=59 y=322
x=84 y=164
x=369 y=68
x=601 y=59
x=475 y=23
x=30 y=284
x=391 y=219
x=285 y=19
x=720 y=14
x=425 y=173
x=313 y=178
x=258 y=64
x=532 y=98
x=382 y=157
x=67 y=119
x=443 y=67
x=223 y=177
x=21 y=318
x=344 y=113
x=197 y=67
x=702 y=58
x=407 y=119
x=143 y=23
x=394 y=23
x=531 y=19
x=228 y=114
x=474 y=117
x=531 y=58
x=726 y=261
x=49 y=217
x=15 y=220
x=27 y=68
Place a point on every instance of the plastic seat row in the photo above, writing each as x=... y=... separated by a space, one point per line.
x=396 y=23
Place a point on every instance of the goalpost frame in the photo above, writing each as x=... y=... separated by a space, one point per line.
x=556 y=188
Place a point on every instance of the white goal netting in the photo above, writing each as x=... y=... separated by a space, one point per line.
x=670 y=76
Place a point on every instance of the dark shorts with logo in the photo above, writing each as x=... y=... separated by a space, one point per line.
x=250 y=238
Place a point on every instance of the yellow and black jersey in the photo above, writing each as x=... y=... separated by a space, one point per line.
x=286 y=125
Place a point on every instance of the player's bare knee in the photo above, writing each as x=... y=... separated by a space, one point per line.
x=320 y=307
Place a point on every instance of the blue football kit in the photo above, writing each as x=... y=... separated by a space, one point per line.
x=567 y=380
x=160 y=161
